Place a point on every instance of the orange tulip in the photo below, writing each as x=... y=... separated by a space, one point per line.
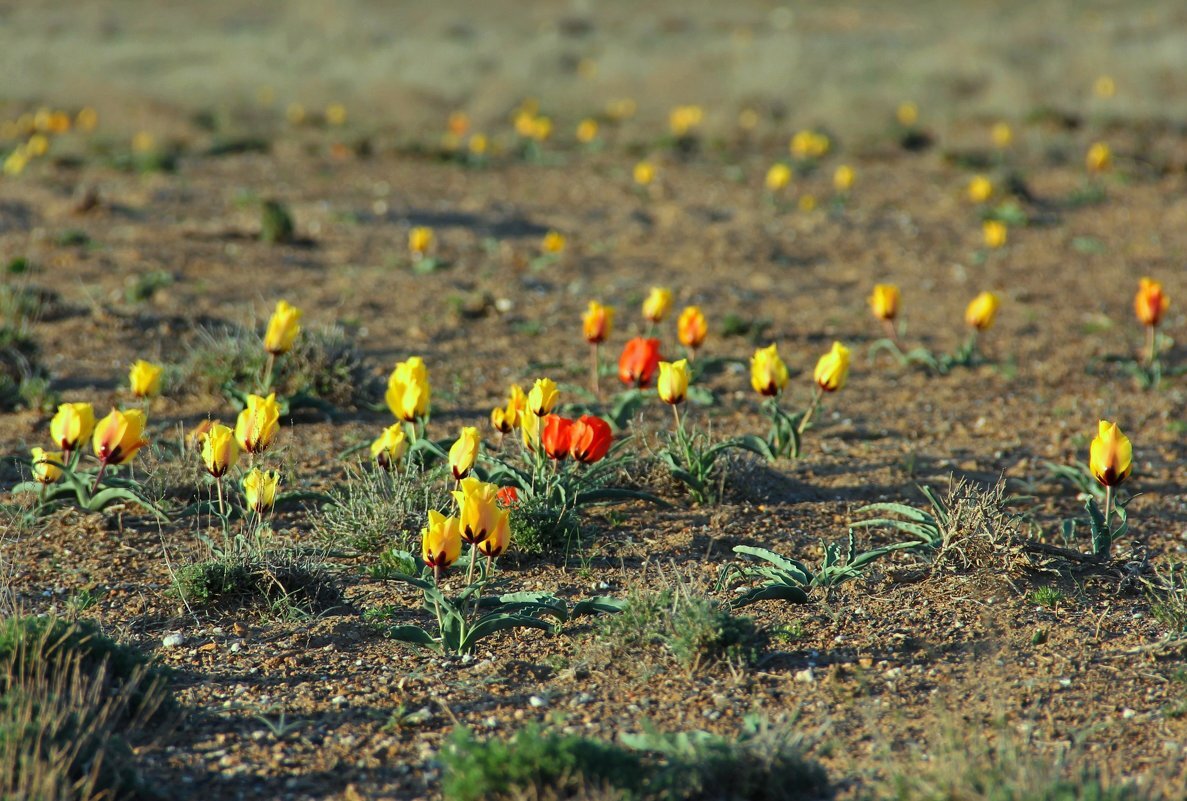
x=1149 y=304
x=639 y=361
x=692 y=327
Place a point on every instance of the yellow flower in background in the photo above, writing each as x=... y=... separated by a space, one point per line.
x=517 y=404
x=477 y=144
x=46 y=465
x=995 y=233
x=833 y=368
x=621 y=109
x=982 y=311
x=118 y=436
x=478 y=509
x=1104 y=87
x=16 y=161
x=683 y=120
x=907 y=114
x=220 y=452
x=259 y=489
x=258 y=423
x=692 y=327
x=644 y=173
x=72 y=425
x=541 y=129
x=38 y=145
x=885 y=301
x=553 y=242
x=778 y=177
x=587 y=130
x=420 y=239
x=1002 y=135
x=808 y=144
x=87 y=119
x=388 y=448
x=807 y=203
x=408 y=390
x=1099 y=157
x=336 y=114
x=597 y=322
x=440 y=540
x=658 y=301
x=543 y=396
x=980 y=189
x=748 y=119
x=282 y=328
x=768 y=373
x=843 y=178
x=1149 y=304
x=1110 y=456
x=59 y=122
x=143 y=142
x=673 y=382
x=464 y=453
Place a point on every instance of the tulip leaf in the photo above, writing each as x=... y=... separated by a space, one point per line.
x=701 y=396
x=1102 y=538
x=788 y=565
x=624 y=407
x=414 y=635
x=772 y=592
x=601 y=604
x=104 y=498
x=497 y=622
x=615 y=495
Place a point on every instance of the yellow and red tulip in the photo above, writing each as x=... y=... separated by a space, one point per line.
x=543 y=396
x=258 y=423
x=672 y=383
x=259 y=489
x=478 y=509
x=145 y=379
x=464 y=453
x=500 y=537
x=982 y=311
x=408 y=390
x=597 y=322
x=118 y=436
x=1150 y=303
x=440 y=541
x=389 y=447
x=47 y=466
x=656 y=306
x=768 y=373
x=885 y=301
x=220 y=452
x=72 y=425
x=832 y=369
x=283 y=328
x=691 y=327
x=1110 y=456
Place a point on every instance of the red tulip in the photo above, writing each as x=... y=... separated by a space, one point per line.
x=555 y=435
x=589 y=439
x=639 y=361
x=507 y=497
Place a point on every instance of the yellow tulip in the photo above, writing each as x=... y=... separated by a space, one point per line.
x=907 y=114
x=529 y=429
x=72 y=425
x=885 y=301
x=420 y=239
x=843 y=178
x=499 y=421
x=980 y=189
x=644 y=173
x=659 y=300
x=1104 y=87
x=477 y=144
x=673 y=381
x=219 y=450
x=258 y=423
x=768 y=373
x=1110 y=457
x=47 y=466
x=684 y=119
x=440 y=540
x=553 y=242
x=833 y=368
x=145 y=379
x=542 y=397
x=464 y=453
x=478 y=509
x=118 y=436
x=995 y=233
x=259 y=489
x=336 y=114
x=597 y=322
x=389 y=447
x=495 y=544
x=517 y=403
x=778 y=177
x=1099 y=157
x=282 y=328
x=587 y=131
x=809 y=145
x=1002 y=134
x=408 y=390
x=982 y=310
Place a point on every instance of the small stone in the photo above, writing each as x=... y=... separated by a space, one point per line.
x=537 y=701
x=173 y=640
x=338 y=700
x=805 y=676
x=1128 y=713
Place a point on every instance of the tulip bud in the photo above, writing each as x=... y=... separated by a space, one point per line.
x=219 y=450
x=768 y=373
x=118 y=436
x=659 y=300
x=499 y=421
x=981 y=311
x=1149 y=304
x=542 y=397
x=258 y=423
x=282 y=328
x=47 y=467
x=1110 y=457
x=464 y=453
x=597 y=322
x=884 y=301
x=639 y=361
x=72 y=425
x=145 y=379
x=440 y=540
x=420 y=239
x=692 y=328
x=590 y=439
x=259 y=489
x=673 y=382
x=556 y=436
x=389 y=448
x=833 y=368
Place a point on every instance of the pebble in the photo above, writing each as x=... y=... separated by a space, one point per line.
x=537 y=701
x=805 y=676
x=1127 y=713
x=173 y=640
x=338 y=700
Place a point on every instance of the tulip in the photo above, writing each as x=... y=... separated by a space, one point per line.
x=1110 y=458
x=542 y=397
x=692 y=328
x=47 y=466
x=768 y=373
x=833 y=368
x=145 y=379
x=420 y=239
x=556 y=436
x=644 y=173
x=529 y=429
x=499 y=538
x=656 y=306
x=778 y=177
x=259 y=489
x=507 y=497
x=464 y=453
x=118 y=436
x=639 y=361
x=995 y=233
x=907 y=114
x=219 y=450
x=517 y=404
x=597 y=322
x=440 y=542
x=587 y=131
x=673 y=382
x=408 y=390
x=590 y=439
x=282 y=329
x=843 y=178
x=72 y=425
x=258 y=423
x=884 y=302
x=1149 y=304
x=1002 y=135
x=553 y=242
x=981 y=311
x=980 y=189
x=477 y=508
x=389 y=448
x=1099 y=157
x=499 y=421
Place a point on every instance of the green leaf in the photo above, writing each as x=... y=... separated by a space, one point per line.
x=496 y=622
x=615 y=495
x=601 y=604
x=1102 y=539
x=790 y=566
x=909 y=512
x=105 y=498
x=771 y=592
x=414 y=635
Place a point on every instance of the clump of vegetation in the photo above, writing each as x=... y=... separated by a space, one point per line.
x=276 y=223
x=74 y=704
x=24 y=381
x=762 y=763
x=374 y=509
x=698 y=632
x=282 y=583
x=539 y=527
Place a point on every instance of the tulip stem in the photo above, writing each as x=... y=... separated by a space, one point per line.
x=676 y=414
x=470 y=572
x=807 y=418
x=1151 y=345
x=595 y=370
x=99 y=475
x=889 y=324
x=218 y=485
x=268 y=371
x=1108 y=509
